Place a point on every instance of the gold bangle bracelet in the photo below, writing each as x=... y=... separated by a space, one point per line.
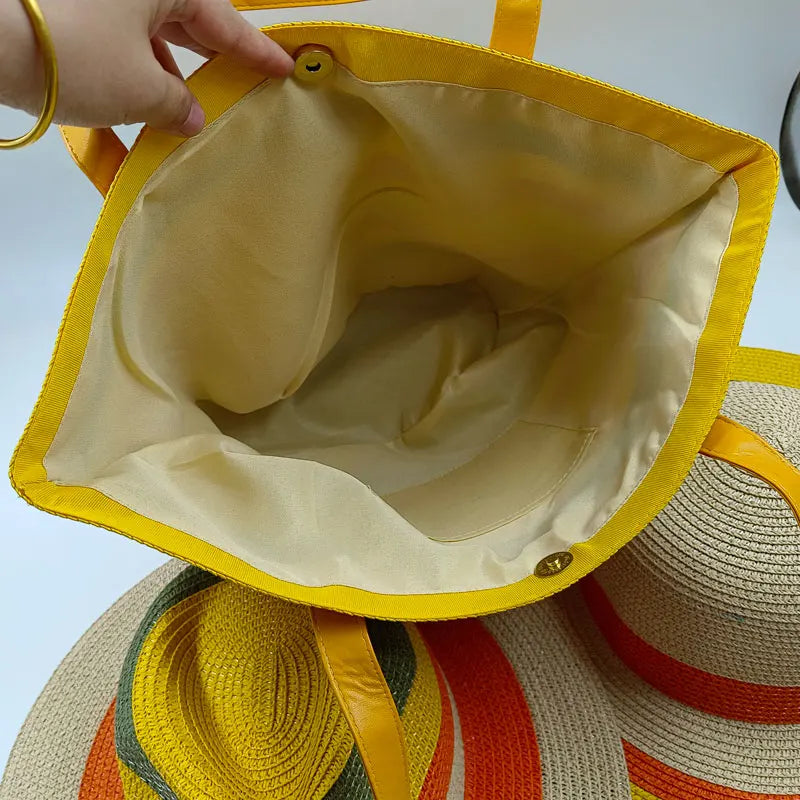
x=48 y=51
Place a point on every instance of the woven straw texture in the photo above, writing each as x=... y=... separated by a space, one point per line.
x=670 y=674
x=48 y=758
x=535 y=705
x=722 y=561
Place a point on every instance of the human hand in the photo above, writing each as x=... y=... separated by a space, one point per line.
x=114 y=63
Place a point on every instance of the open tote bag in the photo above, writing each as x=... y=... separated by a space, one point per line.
x=423 y=331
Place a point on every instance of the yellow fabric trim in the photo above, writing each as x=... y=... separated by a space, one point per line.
x=422 y=715
x=381 y=55
x=767 y=366
x=516 y=23
x=363 y=694
x=739 y=446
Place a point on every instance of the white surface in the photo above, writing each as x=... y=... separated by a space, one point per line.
x=732 y=61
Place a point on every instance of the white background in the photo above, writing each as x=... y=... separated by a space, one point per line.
x=732 y=61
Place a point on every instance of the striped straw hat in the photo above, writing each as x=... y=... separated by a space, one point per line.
x=671 y=673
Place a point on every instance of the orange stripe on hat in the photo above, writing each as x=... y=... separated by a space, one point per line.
x=437 y=781
x=501 y=755
x=714 y=694
x=101 y=780
x=666 y=783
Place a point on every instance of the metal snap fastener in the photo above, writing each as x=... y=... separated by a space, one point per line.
x=553 y=564
x=313 y=63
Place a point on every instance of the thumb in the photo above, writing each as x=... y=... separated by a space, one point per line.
x=173 y=107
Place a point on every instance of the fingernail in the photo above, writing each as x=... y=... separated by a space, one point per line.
x=195 y=121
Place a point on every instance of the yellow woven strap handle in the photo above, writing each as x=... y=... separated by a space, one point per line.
x=366 y=701
x=733 y=443
x=99 y=152
x=516 y=23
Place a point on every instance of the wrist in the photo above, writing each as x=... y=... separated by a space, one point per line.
x=21 y=70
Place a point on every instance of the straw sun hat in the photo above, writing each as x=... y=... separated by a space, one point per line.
x=672 y=672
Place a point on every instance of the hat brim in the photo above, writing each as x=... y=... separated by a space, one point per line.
x=674 y=750
x=541 y=706
x=50 y=754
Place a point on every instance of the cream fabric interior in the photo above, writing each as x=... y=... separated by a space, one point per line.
x=405 y=337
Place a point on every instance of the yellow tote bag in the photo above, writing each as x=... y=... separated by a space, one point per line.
x=427 y=330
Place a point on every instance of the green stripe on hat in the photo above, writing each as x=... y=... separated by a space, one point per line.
x=129 y=750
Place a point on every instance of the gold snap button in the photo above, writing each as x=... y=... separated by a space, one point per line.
x=313 y=63
x=553 y=564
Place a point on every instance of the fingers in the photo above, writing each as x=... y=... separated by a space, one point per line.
x=174 y=32
x=171 y=107
x=164 y=57
x=219 y=27
x=208 y=27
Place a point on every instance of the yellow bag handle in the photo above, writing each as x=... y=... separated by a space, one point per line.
x=516 y=23
x=99 y=152
x=365 y=700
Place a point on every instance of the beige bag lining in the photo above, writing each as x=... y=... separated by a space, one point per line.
x=408 y=337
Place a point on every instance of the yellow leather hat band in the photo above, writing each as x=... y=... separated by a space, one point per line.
x=739 y=446
x=366 y=701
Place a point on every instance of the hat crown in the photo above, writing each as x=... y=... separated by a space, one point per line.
x=714 y=581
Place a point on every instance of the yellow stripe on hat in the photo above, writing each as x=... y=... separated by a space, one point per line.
x=231 y=702
x=422 y=715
